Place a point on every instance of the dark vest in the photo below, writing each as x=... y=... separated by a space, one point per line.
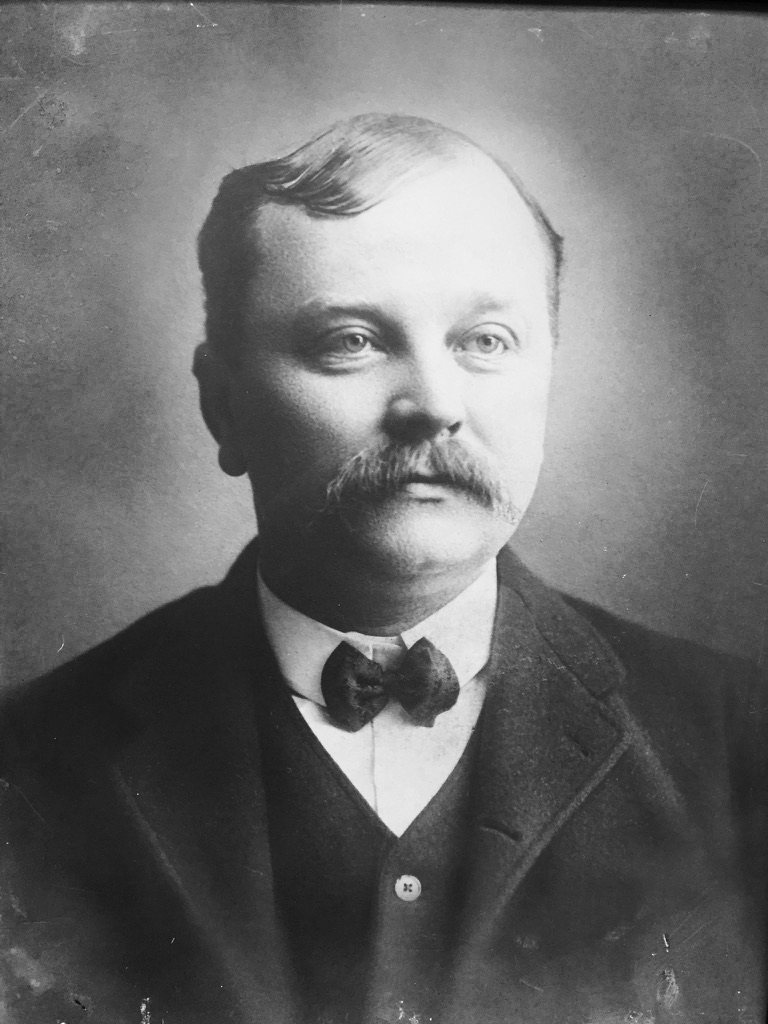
x=360 y=952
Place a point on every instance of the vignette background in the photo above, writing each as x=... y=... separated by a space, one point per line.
x=644 y=135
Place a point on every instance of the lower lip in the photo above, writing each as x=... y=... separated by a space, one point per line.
x=424 y=489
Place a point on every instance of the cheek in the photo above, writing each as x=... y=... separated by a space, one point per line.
x=303 y=419
x=511 y=419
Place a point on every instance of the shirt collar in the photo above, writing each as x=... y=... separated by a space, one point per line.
x=461 y=629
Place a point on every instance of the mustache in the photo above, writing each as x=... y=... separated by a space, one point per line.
x=382 y=471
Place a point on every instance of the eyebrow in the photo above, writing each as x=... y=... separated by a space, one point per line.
x=482 y=303
x=318 y=307
x=486 y=302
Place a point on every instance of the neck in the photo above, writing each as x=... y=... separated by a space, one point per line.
x=362 y=599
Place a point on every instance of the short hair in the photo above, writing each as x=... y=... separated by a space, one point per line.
x=347 y=169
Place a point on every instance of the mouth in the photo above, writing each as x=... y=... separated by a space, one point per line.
x=430 y=487
x=427 y=475
x=437 y=479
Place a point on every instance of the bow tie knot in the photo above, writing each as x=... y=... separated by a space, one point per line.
x=356 y=689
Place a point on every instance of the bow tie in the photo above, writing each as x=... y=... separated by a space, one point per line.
x=356 y=689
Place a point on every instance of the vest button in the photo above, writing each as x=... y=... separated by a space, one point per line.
x=408 y=888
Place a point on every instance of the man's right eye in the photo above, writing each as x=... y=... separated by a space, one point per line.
x=354 y=342
x=348 y=343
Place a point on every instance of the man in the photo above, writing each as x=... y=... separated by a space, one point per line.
x=381 y=773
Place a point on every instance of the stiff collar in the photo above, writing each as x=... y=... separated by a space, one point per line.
x=461 y=629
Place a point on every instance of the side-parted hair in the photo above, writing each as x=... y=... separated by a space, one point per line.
x=347 y=169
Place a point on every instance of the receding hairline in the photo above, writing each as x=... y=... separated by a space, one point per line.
x=464 y=156
x=468 y=157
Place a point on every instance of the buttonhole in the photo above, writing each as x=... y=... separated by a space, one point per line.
x=579 y=746
x=82 y=1001
x=492 y=825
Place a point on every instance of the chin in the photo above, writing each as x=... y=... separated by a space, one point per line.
x=425 y=540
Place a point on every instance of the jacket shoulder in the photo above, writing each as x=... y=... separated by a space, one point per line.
x=637 y=645
x=639 y=649
x=156 y=669
x=97 y=696
x=687 y=691
x=680 y=689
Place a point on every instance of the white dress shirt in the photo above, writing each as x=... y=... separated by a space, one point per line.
x=396 y=765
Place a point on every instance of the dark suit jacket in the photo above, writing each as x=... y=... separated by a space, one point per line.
x=618 y=843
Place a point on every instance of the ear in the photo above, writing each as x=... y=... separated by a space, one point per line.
x=214 y=379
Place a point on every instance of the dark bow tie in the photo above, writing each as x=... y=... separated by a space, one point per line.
x=356 y=689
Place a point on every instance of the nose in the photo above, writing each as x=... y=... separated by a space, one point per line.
x=427 y=402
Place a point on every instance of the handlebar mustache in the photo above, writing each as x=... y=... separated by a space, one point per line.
x=383 y=471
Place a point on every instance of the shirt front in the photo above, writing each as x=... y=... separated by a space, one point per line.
x=396 y=765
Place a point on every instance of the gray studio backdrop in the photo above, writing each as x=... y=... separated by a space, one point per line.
x=644 y=135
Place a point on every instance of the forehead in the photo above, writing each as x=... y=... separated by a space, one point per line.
x=457 y=231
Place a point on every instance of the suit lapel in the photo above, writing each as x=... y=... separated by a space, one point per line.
x=547 y=740
x=192 y=783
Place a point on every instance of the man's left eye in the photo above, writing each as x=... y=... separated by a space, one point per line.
x=353 y=342
x=488 y=342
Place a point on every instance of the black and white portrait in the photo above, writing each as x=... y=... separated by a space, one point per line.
x=384 y=590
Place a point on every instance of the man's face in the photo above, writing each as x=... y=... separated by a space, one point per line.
x=422 y=320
